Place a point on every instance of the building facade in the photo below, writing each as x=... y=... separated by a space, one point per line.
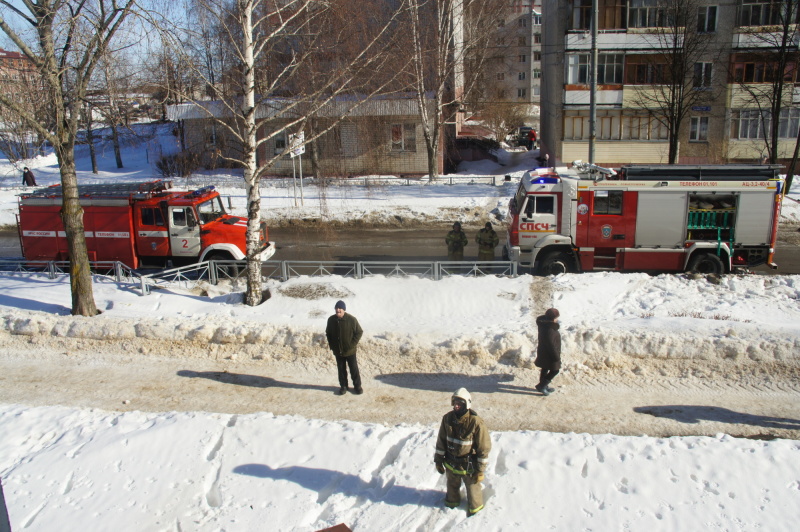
x=716 y=62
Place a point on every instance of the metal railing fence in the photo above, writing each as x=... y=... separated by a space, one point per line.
x=212 y=272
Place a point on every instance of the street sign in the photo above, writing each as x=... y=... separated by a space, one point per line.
x=297 y=144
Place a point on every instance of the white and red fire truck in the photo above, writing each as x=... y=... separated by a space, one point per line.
x=671 y=218
x=138 y=224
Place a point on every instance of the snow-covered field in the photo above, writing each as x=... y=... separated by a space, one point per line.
x=72 y=468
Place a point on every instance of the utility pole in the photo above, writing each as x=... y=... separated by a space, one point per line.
x=593 y=83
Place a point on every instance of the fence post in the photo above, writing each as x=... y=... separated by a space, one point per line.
x=118 y=271
x=284 y=271
x=212 y=272
x=230 y=205
x=51 y=270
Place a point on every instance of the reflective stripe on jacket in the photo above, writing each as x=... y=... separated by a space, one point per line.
x=463 y=444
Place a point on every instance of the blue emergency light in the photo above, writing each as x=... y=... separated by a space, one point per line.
x=544 y=181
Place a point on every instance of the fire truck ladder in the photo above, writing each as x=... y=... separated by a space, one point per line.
x=719 y=220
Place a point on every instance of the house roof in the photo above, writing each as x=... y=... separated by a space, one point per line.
x=291 y=108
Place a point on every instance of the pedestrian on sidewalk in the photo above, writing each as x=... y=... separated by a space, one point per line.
x=344 y=332
x=28 y=178
x=462 y=452
x=548 y=352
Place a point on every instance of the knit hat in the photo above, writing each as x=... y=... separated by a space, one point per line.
x=340 y=304
x=552 y=314
x=488 y=225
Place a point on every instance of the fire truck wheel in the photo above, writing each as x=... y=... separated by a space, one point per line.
x=556 y=263
x=226 y=271
x=706 y=263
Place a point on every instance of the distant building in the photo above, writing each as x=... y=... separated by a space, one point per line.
x=728 y=125
x=380 y=136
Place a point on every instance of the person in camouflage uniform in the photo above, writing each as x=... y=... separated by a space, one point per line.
x=462 y=451
x=487 y=240
x=456 y=240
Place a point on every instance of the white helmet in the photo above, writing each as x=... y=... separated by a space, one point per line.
x=462 y=393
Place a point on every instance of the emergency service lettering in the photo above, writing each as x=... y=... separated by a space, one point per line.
x=530 y=226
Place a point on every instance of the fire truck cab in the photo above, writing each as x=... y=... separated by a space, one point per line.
x=672 y=218
x=137 y=223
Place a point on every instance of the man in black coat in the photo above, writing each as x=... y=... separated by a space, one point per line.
x=343 y=332
x=548 y=352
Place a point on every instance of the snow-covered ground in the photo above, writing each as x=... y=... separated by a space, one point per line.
x=70 y=468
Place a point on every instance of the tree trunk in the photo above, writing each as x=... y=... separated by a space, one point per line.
x=72 y=216
x=115 y=139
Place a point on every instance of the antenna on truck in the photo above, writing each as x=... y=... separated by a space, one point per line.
x=593 y=170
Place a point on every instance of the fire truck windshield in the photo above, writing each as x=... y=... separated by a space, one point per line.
x=210 y=210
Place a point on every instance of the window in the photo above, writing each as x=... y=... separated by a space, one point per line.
x=210 y=210
x=761 y=72
x=752 y=124
x=699 y=128
x=152 y=216
x=537 y=56
x=537 y=38
x=404 y=137
x=767 y=12
x=646 y=14
x=179 y=217
x=581 y=14
x=537 y=19
x=501 y=93
x=607 y=202
x=540 y=205
x=521 y=41
x=521 y=76
x=522 y=22
x=522 y=58
x=501 y=76
x=280 y=142
x=645 y=73
x=707 y=19
x=702 y=76
x=537 y=74
x=610 y=68
x=578 y=69
x=521 y=93
x=749 y=125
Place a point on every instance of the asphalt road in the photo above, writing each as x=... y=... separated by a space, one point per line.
x=423 y=244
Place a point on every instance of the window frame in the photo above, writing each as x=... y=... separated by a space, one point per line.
x=698 y=128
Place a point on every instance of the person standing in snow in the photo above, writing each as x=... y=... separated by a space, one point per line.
x=531 y=139
x=28 y=178
x=343 y=332
x=462 y=452
x=548 y=352
x=487 y=240
x=456 y=240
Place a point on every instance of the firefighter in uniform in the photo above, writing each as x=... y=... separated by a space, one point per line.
x=487 y=240
x=456 y=240
x=462 y=451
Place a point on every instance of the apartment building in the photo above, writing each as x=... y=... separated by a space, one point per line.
x=723 y=81
x=515 y=70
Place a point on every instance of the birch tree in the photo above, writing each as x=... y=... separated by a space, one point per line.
x=291 y=58
x=65 y=40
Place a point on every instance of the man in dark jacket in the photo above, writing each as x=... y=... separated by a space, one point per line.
x=456 y=240
x=344 y=332
x=548 y=352
x=27 y=178
x=462 y=451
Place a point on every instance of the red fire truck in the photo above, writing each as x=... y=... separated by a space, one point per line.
x=671 y=218
x=137 y=224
